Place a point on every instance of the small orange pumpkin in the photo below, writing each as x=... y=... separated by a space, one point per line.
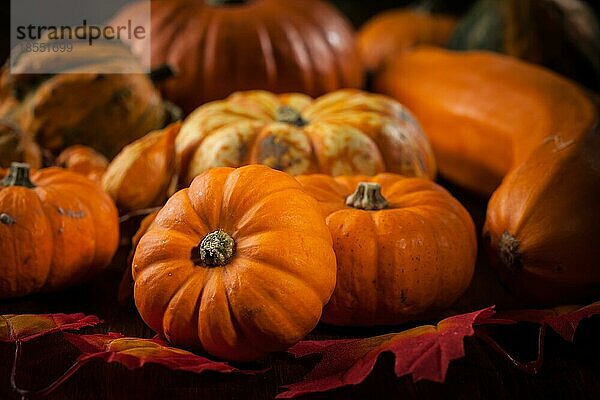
x=405 y=247
x=57 y=228
x=84 y=160
x=140 y=175
x=239 y=264
x=395 y=31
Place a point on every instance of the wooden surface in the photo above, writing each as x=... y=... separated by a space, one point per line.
x=570 y=371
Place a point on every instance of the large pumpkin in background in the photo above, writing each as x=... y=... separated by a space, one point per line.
x=342 y=133
x=218 y=47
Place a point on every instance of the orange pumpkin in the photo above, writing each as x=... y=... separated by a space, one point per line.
x=395 y=31
x=83 y=160
x=239 y=264
x=500 y=124
x=57 y=228
x=405 y=247
x=342 y=133
x=140 y=175
x=218 y=47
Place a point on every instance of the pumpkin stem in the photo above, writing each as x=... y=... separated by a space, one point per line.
x=367 y=197
x=290 y=116
x=18 y=175
x=216 y=249
x=509 y=251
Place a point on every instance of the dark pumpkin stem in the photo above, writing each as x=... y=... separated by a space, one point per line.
x=509 y=252
x=290 y=116
x=18 y=175
x=161 y=73
x=216 y=249
x=367 y=197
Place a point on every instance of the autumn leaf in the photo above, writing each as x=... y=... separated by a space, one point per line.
x=563 y=320
x=135 y=352
x=424 y=352
x=25 y=327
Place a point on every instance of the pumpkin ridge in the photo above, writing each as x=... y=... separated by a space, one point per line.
x=337 y=61
x=303 y=58
x=266 y=297
x=52 y=251
x=233 y=318
x=53 y=192
x=266 y=48
x=17 y=265
x=211 y=40
x=248 y=215
x=172 y=305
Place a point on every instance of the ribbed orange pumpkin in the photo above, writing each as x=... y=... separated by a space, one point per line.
x=56 y=230
x=218 y=47
x=500 y=124
x=342 y=133
x=405 y=247
x=239 y=264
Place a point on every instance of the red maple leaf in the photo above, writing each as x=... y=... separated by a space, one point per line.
x=25 y=327
x=564 y=320
x=424 y=352
x=135 y=352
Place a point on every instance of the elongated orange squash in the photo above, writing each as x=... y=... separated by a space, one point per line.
x=528 y=135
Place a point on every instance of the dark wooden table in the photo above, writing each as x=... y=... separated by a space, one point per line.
x=570 y=371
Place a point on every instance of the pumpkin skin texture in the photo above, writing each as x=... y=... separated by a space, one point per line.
x=408 y=260
x=394 y=31
x=220 y=48
x=39 y=226
x=239 y=264
x=342 y=133
x=58 y=110
x=528 y=135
